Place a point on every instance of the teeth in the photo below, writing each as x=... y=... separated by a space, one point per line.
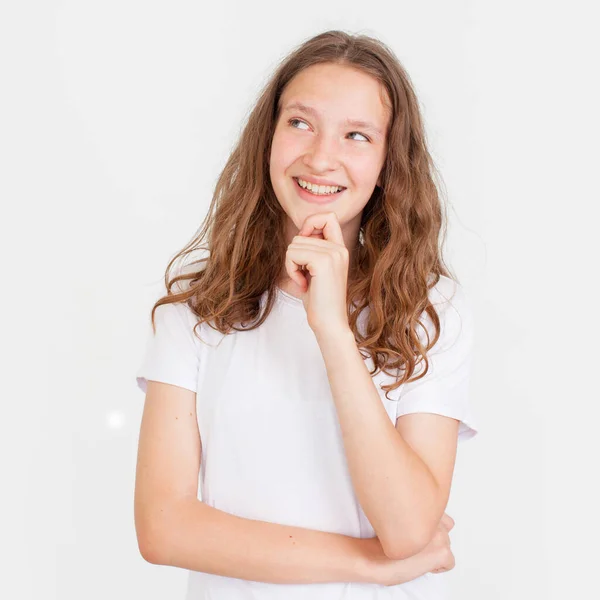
x=319 y=189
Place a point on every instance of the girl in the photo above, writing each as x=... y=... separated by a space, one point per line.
x=307 y=378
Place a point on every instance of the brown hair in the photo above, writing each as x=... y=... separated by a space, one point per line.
x=397 y=259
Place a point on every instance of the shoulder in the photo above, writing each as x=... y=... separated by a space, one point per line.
x=182 y=311
x=448 y=294
x=453 y=306
x=183 y=285
x=182 y=308
x=447 y=290
x=176 y=320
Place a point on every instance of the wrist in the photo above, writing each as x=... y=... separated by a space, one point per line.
x=333 y=335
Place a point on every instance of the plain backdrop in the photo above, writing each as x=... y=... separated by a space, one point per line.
x=116 y=118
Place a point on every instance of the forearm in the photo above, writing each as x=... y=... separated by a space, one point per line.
x=203 y=538
x=385 y=470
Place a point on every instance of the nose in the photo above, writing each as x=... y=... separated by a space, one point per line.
x=323 y=154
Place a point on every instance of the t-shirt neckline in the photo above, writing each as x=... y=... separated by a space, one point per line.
x=288 y=298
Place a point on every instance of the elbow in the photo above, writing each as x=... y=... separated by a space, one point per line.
x=151 y=554
x=150 y=549
x=151 y=539
x=156 y=535
x=401 y=549
x=153 y=530
x=403 y=552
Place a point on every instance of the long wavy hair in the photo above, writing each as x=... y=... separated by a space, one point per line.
x=398 y=256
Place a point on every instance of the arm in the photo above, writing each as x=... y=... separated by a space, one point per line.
x=202 y=538
x=380 y=461
x=175 y=529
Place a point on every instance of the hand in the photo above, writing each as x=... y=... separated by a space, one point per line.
x=438 y=549
x=320 y=268
x=436 y=557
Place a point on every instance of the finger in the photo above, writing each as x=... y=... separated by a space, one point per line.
x=309 y=230
x=311 y=241
x=294 y=271
x=318 y=245
x=447 y=521
x=327 y=223
x=299 y=258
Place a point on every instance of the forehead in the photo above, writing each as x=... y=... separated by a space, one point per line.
x=339 y=93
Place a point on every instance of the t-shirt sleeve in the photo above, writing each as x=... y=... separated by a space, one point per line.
x=444 y=390
x=172 y=354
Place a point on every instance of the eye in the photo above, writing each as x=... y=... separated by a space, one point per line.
x=291 y=121
x=295 y=120
x=358 y=132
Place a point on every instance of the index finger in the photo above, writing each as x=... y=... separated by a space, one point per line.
x=326 y=222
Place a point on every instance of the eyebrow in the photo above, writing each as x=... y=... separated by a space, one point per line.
x=309 y=110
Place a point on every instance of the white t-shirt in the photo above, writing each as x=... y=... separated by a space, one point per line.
x=272 y=448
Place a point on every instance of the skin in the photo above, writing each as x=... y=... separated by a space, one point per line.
x=323 y=146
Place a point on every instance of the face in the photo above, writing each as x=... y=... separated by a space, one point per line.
x=314 y=141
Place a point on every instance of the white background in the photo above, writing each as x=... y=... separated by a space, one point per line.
x=116 y=118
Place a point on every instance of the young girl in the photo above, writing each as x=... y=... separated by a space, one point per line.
x=307 y=379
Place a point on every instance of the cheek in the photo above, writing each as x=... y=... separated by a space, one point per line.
x=281 y=162
x=276 y=159
x=367 y=170
x=289 y=142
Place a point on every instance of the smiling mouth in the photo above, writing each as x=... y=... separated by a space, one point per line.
x=319 y=195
